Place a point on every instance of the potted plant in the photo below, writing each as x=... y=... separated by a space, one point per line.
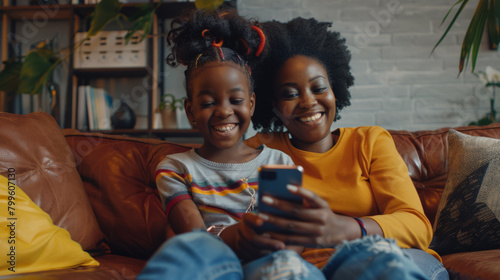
x=490 y=79
x=169 y=108
x=31 y=73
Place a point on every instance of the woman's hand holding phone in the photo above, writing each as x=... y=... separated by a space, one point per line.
x=302 y=218
x=313 y=223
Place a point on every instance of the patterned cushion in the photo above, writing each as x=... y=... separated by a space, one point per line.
x=469 y=211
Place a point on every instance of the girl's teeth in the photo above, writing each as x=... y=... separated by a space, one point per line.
x=310 y=118
x=225 y=128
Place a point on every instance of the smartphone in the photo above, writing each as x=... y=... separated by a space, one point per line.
x=273 y=180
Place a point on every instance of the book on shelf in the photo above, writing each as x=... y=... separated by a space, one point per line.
x=104 y=103
x=90 y=107
x=94 y=108
x=82 y=119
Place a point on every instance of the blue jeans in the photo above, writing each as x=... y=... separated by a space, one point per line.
x=431 y=266
x=199 y=255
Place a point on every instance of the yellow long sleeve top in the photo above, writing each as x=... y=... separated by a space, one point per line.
x=362 y=175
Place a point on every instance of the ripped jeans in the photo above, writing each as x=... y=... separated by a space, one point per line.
x=199 y=255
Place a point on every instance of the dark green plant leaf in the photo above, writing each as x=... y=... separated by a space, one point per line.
x=473 y=36
x=481 y=22
x=209 y=5
x=144 y=10
x=449 y=11
x=452 y=21
x=494 y=22
x=484 y=121
x=9 y=76
x=105 y=12
x=497 y=10
x=36 y=70
x=143 y=20
x=486 y=12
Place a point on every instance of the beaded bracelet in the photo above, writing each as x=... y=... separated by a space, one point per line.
x=216 y=230
x=362 y=226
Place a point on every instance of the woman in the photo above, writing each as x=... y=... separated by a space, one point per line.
x=355 y=183
x=240 y=250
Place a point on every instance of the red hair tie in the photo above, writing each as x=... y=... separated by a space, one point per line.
x=243 y=62
x=262 y=40
x=217 y=44
x=204 y=33
x=246 y=45
x=221 y=53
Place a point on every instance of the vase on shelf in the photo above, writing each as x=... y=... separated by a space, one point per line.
x=124 y=117
x=168 y=118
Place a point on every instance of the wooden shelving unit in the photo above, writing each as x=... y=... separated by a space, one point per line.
x=76 y=17
x=56 y=12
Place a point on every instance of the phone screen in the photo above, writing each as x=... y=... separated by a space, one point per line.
x=273 y=180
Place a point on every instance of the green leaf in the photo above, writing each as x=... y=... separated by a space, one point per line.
x=449 y=11
x=143 y=20
x=473 y=35
x=484 y=121
x=36 y=70
x=493 y=23
x=209 y=5
x=497 y=11
x=144 y=10
x=452 y=22
x=105 y=12
x=169 y=100
x=478 y=32
x=9 y=76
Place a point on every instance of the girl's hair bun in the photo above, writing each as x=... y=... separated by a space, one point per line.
x=194 y=33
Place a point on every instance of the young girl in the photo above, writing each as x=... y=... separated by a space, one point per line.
x=210 y=188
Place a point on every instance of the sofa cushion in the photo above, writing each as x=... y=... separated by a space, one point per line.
x=119 y=176
x=425 y=152
x=469 y=210
x=32 y=242
x=33 y=146
x=111 y=267
x=473 y=265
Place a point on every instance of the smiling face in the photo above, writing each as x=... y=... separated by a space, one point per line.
x=221 y=105
x=306 y=103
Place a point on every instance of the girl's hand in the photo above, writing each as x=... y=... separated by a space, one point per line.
x=316 y=225
x=247 y=242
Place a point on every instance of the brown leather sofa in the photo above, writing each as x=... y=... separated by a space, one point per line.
x=118 y=174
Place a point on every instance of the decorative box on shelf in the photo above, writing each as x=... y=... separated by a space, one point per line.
x=107 y=49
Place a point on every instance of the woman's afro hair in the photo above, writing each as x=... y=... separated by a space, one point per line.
x=299 y=36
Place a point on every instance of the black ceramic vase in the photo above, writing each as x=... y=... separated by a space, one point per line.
x=124 y=117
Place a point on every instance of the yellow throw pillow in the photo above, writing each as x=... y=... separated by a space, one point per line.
x=29 y=241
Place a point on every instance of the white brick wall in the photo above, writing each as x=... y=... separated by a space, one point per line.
x=399 y=83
